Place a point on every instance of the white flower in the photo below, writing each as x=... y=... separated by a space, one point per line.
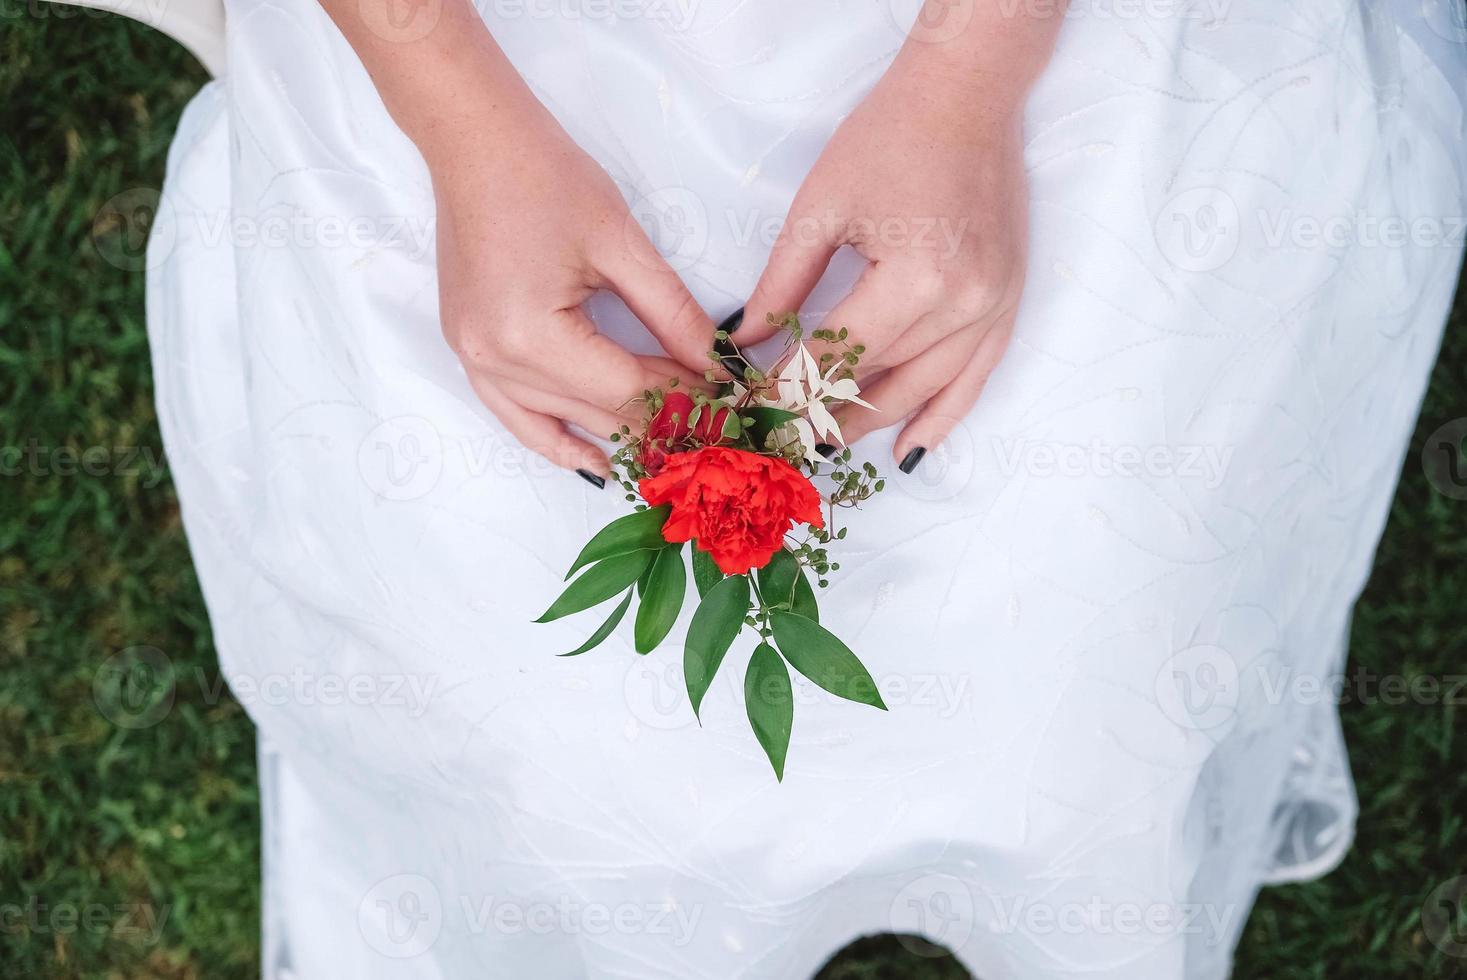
x=796 y=430
x=803 y=389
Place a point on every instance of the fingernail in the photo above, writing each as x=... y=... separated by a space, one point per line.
x=909 y=462
x=728 y=355
x=599 y=482
x=825 y=449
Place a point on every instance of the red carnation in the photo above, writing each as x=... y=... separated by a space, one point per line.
x=735 y=505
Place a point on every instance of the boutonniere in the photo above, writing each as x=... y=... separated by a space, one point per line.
x=744 y=481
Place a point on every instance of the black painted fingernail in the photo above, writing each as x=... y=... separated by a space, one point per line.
x=909 y=462
x=599 y=482
x=728 y=355
x=825 y=449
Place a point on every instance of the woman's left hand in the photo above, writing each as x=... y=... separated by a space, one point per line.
x=926 y=181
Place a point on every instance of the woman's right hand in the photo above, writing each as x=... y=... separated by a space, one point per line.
x=529 y=227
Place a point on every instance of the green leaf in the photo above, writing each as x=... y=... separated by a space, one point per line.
x=770 y=703
x=783 y=584
x=605 y=629
x=719 y=619
x=706 y=573
x=732 y=427
x=600 y=582
x=647 y=574
x=662 y=598
x=805 y=604
x=766 y=420
x=777 y=578
x=635 y=532
x=816 y=652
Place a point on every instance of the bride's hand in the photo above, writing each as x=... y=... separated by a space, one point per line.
x=528 y=228
x=926 y=181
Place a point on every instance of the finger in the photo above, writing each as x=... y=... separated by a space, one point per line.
x=878 y=310
x=948 y=313
x=570 y=358
x=659 y=372
x=907 y=387
x=663 y=370
x=592 y=418
x=950 y=406
x=926 y=332
x=659 y=298
x=799 y=258
x=539 y=433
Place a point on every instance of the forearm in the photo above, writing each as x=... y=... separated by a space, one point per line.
x=995 y=49
x=436 y=81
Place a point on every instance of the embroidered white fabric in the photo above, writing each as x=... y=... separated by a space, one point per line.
x=1091 y=613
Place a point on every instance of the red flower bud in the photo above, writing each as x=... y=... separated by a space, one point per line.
x=669 y=431
x=709 y=430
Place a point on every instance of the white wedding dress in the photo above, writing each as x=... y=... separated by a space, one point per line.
x=1095 y=614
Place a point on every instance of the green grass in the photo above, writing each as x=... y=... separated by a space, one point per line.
x=122 y=823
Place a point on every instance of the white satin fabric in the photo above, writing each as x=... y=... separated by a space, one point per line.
x=1097 y=748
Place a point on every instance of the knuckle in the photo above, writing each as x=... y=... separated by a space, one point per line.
x=979 y=290
x=688 y=319
x=928 y=387
x=474 y=352
x=808 y=225
x=971 y=294
x=460 y=339
x=467 y=338
x=513 y=345
x=929 y=285
x=490 y=351
x=635 y=240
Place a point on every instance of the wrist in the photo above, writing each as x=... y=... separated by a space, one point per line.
x=985 y=52
x=955 y=102
x=489 y=105
x=447 y=84
x=475 y=129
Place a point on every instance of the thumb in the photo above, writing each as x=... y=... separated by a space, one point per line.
x=796 y=263
x=659 y=298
